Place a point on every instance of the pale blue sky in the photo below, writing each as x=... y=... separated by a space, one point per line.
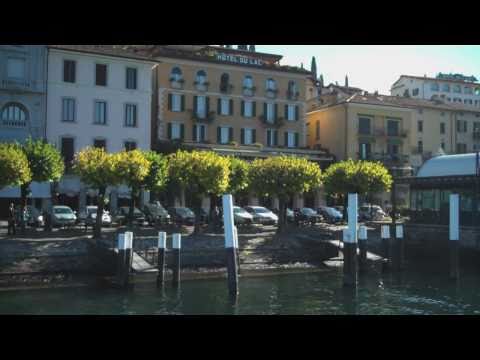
x=377 y=67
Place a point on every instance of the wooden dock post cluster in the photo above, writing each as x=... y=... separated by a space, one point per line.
x=231 y=245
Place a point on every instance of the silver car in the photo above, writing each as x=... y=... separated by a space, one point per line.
x=63 y=216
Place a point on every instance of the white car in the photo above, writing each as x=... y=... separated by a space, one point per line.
x=63 y=216
x=241 y=216
x=262 y=215
x=90 y=216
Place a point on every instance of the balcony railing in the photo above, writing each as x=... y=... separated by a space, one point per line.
x=387 y=159
x=16 y=84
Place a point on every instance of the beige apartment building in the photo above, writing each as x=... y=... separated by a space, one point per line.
x=234 y=102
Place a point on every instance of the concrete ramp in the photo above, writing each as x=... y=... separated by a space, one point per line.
x=139 y=264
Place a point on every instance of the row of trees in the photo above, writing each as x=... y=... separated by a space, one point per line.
x=202 y=173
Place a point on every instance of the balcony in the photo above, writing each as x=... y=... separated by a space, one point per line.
x=387 y=159
x=276 y=123
x=293 y=95
x=271 y=93
x=177 y=83
x=14 y=84
x=249 y=91
x=205 y=118
x=201 y=86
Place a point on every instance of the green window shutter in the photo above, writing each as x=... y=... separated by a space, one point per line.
x=254 y=108
x=195 y=97
x=170 y=102
x=275 y=137
x=194 y=133
x=219 y=134
x=297 y=113
x=297 y=138
x=219 y=106
x=202 y=133
x=242 y=136
x=265 y=110
x=230 y=134
x=242 y=108
x=231 y=106
x=286 y=112
x=285 y=139
x=182 y=131
x=169 y=131
x=254 y=136
x=207 y=105
x=182 y=103
x=276 y=112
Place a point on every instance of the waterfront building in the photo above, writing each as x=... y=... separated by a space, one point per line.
x=233 y=101
x=23 y=71
x=451 y=88
x=100 y=96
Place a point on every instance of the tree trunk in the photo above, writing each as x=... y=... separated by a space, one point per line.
x=345 y=207
x=132 y=206
x=97 y=234
x=213 y=216
x=282 y=215
x=23 y=194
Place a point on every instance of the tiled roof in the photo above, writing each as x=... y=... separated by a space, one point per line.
x=111 y=50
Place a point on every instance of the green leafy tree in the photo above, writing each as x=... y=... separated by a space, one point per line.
x=133 y=168
x=14 y=168
x=239 y=176
x=284 y=177
x=201 y=172
x=158 y=172
x=361 y=177
x=97 y=169
x=46 y=164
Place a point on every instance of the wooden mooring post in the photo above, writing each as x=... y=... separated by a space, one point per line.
x=385 y=235
x=162 y=245
x=454 y=236
x=231 y=245
x=350 y=243
x=176 y=246
x=362 y=246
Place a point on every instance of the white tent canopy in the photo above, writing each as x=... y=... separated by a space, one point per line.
x=449 y=165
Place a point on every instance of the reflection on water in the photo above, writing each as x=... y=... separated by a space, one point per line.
x=418 y=291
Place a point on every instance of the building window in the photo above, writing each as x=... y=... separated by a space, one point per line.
x=67 y=150
x=100 y=112
x=420 y=126
x=199 y=132
x=364 y=126
x=130 y=115
x=457 y=89
x=442 y=128
x=467 y=90
x=269 y=109
x=292 y=91
x=224 y=83
x=130 y=145
x=68 y=109
x=442 y=145
x=101 y=74
x=176 y=74
x=434 y=87
x=271 y=85
x=461 y=148
x=131 y=75
x=449 y=99
x=272 y=137
x=291 y=139
x=201 y=78
x=317 y=130
x=224 y=134
x=200 y=104
x=176 y=102
x=176 y=131
x=14 y=115
x=415 y=92
x=365 y=150
x=248 y=109
x=446 y=87
x=100 y=143
x=248 y=136
x=224 y=107
x=462 y=126
x=420 y=147
x=291 y=112
x=248 y=82
x=69 y=70
x=393 y=127
x=16 y=68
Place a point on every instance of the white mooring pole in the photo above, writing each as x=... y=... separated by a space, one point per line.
x=454 y=236
x=350 y=243
x=231 y=245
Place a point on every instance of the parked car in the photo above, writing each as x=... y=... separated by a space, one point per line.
x=89 y=216
x=182 y=215
x=63 y=216
x=241 y=216
x=290 y=215
x=330 y=214
x=202 y=215
x=121 y=217
x=156 y=213
x=262 y=215
x=371 y=212
x=309 y=215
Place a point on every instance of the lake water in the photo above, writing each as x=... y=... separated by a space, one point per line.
x=418 y=291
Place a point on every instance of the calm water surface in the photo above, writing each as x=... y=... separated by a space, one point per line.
x=415 y=292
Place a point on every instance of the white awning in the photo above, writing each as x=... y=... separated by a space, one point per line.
x=39 y=190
